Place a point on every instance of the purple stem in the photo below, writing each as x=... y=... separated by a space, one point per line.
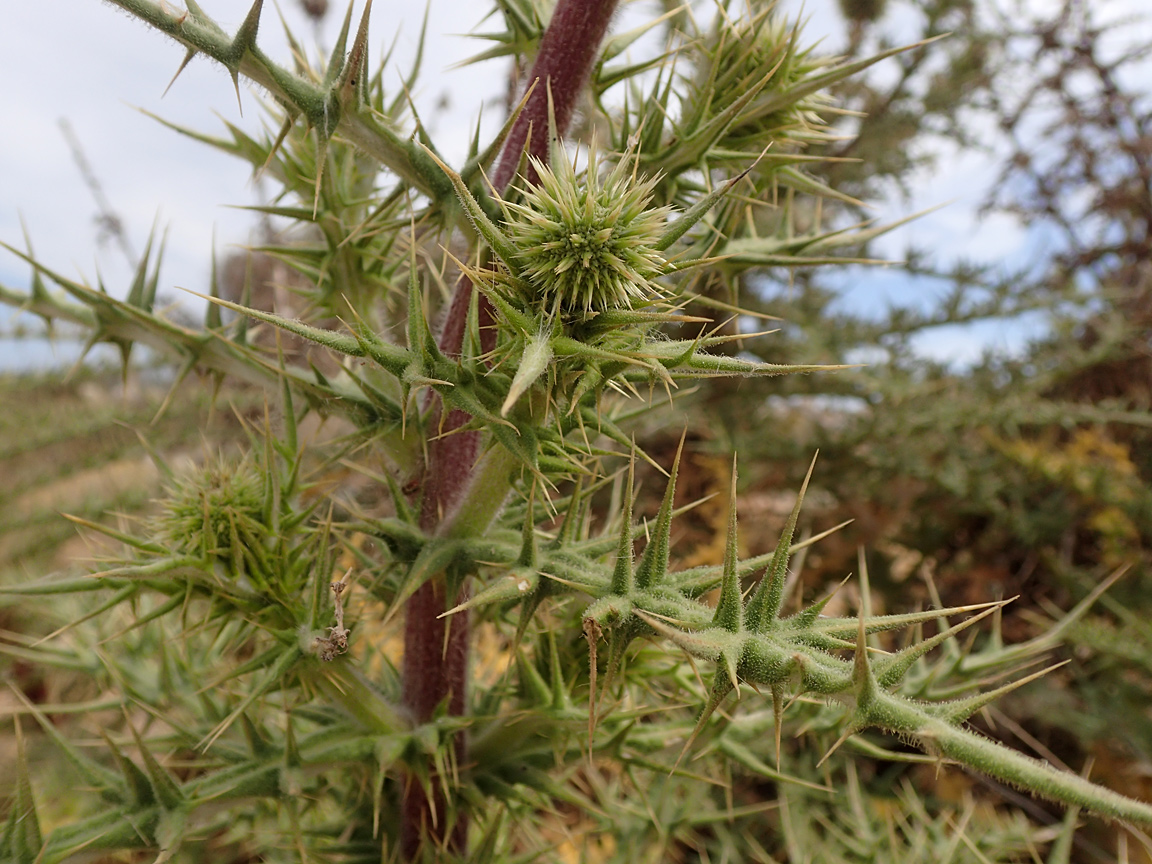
x=436 y=661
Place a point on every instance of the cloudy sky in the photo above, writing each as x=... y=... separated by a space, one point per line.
x=92 y=64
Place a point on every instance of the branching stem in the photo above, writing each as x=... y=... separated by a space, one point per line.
x=436 y=649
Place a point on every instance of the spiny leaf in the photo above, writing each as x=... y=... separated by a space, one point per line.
x=138 y=785
x=485 y=227
x=477 y=163
x=893 y=668
x=336 y=58
x=164 y=786
x=654 y=563
x=517 y=583
x=22 y=834
x=528 y=551
x=623 y=578
x=679 y=227
x=93 y=773
x=272 y=679
x=742 y=755
x=959 y=710
x=730 y=606
x=764 y=607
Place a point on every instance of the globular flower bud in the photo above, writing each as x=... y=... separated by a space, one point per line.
x=756 y=54
x=212 y=508
x=585 y=244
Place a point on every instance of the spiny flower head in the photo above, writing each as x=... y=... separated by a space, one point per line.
x=575 y=296
x=587 y=245
x=737 y=57
x=212 y=508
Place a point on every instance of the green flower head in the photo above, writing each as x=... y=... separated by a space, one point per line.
x=756 y=54
x=212 y=508
x=585 y=244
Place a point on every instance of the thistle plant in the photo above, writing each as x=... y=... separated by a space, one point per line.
x=252 y=701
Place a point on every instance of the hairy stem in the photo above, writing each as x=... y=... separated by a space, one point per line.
x=567 y=52
x=436 y=658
